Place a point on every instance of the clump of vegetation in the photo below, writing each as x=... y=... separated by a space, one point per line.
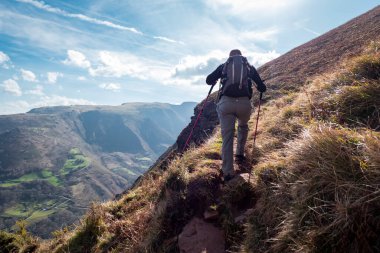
x=20 y=241
x=367 y=67
x=87 y=235
x=75 y=162
x=359 y=104
x=334 y=180
x=356 y=101
x=10 y=242
x=177 y=180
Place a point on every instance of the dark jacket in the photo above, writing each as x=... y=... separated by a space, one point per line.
x=253 y=75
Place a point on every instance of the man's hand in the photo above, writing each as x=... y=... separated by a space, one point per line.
x=262 y=88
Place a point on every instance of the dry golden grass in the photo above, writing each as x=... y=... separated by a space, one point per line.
x=333 y=183
x=317 y=193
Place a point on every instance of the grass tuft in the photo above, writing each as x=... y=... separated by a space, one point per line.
x=87 y=235
x=359 y=105
x=333 y=183
x=367 y=67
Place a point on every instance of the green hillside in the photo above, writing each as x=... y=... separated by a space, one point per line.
x=73 y=155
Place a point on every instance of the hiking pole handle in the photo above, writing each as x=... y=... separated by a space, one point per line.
x=261 y=95
x=209 y=92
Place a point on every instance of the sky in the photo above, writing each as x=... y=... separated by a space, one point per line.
x=109 y=52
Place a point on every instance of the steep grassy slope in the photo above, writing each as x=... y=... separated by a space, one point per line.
x=315 y=176
x=314 y=188
x=54 y=161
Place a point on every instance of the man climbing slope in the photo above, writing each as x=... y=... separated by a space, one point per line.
x=236 y=76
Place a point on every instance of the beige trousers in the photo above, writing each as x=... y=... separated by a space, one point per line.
x=229 y=109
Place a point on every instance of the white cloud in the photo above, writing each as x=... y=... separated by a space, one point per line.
x=46 y=34
x=115 y=64
x=191 y=70
x=82 y=78
x=4 y=60
x=38 y=91
x=193 y=65
x=186 y=82
x=303 y=24
x=3 y=57
x=12 y=87
x=53 y=77
x=76 y=58
x=262 y=35
x=28 y=75
x=55 y=100
x=194 y=69
x=14 y=107
x=22 y=106
x=110 y=86
x=257 y=7
x=257 y=58
x=41 y=5
x=166 y=39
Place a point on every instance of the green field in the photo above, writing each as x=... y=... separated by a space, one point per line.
x=44 y=174
x=75 y=162
x=19 y=211
x=39 y=214
x=32 y=212
x=48 y=176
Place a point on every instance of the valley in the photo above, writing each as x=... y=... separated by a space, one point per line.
x=55 y=161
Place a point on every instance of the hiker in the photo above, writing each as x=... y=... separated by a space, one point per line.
x=236 y=76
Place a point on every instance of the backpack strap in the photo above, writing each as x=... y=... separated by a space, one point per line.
x=245 y=66
x=224 y=77
x=224 y=71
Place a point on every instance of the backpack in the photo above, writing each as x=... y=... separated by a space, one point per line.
x=235 y=77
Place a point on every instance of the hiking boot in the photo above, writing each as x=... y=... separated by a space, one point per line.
x=228 y=178
x=240 y=158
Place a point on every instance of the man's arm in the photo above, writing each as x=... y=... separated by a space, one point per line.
x=215 y=75
x=257 y=79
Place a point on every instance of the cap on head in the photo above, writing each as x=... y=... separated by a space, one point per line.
x=235 y=52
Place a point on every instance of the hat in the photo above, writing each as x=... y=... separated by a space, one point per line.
x=235 y=52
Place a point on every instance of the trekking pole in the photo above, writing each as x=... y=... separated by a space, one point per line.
x=196 y=121
x=254 y=137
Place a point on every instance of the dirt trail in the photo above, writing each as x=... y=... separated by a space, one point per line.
x=206 y=234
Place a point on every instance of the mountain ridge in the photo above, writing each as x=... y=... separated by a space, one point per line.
x=94 y=152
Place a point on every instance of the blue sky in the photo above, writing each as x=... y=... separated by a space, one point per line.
x=112 y=52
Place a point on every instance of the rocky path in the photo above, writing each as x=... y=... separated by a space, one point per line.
x=205 y=234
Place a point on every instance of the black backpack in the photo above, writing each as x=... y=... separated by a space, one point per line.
x=235 y=81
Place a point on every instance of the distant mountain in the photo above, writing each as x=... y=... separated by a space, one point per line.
x=55 y=160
